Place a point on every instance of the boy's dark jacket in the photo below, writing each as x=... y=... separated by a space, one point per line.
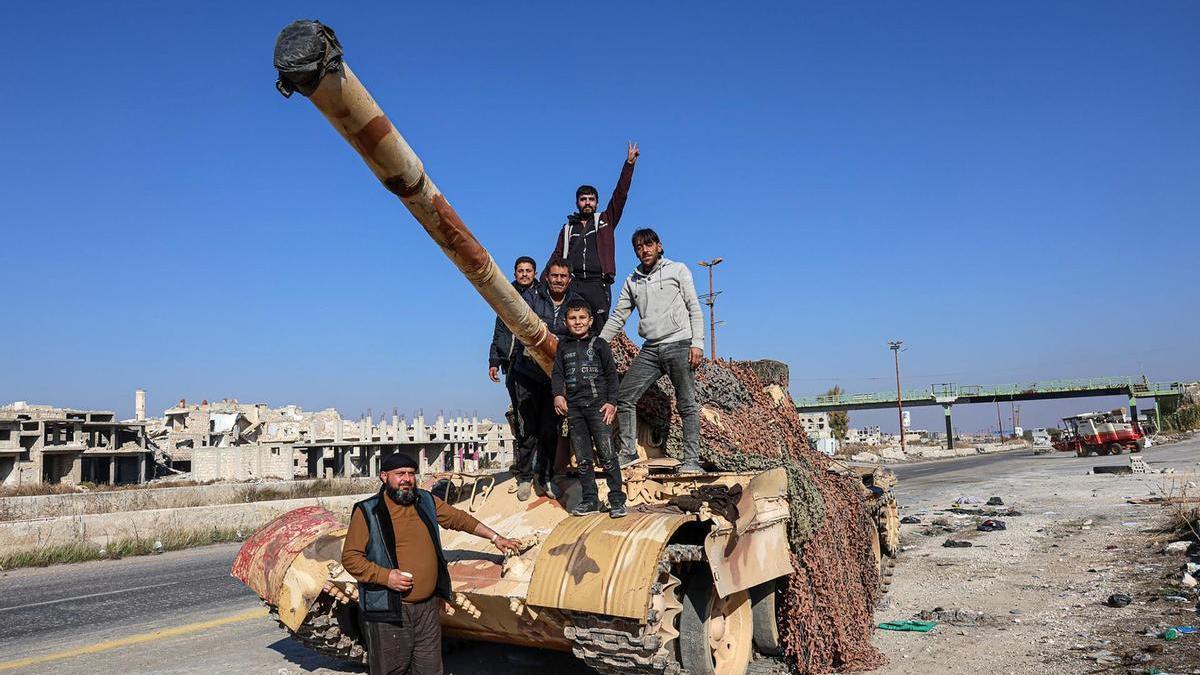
x=584 y=372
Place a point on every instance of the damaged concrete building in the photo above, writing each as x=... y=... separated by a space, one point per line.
x=228 y=440
x=44 y=444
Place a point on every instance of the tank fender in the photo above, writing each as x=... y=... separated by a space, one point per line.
x=603 y=565
x=752 y=550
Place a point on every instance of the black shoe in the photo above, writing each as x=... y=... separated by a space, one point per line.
x=585 y=508
x=618 y=512
x=691 y=467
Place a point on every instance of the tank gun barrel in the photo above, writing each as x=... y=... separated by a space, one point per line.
x=308 y=57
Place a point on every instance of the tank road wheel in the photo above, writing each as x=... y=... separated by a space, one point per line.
x=885 y=546
x=715 y=634
x=1115 y=449
x=766 y=620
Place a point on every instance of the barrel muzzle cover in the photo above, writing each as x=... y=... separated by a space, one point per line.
x=304 y=52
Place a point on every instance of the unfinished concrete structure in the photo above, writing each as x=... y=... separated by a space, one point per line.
x=44 y=444
x=458 y=444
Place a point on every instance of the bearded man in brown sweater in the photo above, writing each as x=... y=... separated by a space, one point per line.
x=394 y=551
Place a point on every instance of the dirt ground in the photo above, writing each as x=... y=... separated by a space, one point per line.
x=1031 y=598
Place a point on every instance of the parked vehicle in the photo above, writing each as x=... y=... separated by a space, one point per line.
x=1108 y=433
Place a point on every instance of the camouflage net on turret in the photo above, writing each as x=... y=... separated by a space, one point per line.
x=747 y=425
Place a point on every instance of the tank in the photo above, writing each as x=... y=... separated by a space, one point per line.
x=777 y=553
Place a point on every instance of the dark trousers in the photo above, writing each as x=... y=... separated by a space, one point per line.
x=598 y=293
x=587 y=428
x=412 y=647
x=534 y=456
x=514 y=419
x=651 y=363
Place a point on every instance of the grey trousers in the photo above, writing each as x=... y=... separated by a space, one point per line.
x=651 y=363
x=413 y=647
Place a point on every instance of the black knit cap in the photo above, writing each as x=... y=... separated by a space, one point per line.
x=398 y=460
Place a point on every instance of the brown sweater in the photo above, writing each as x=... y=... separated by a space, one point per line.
x=414 y=547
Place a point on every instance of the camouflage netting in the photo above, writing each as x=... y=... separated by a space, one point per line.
x=749 y=425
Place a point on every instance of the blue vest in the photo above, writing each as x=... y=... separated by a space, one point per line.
x=380 y=603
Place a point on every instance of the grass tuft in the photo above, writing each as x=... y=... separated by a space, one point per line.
x=171 y=540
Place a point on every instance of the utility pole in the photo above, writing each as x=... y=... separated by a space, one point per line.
x=711 y=300
x=999 y=421
x=894 y=345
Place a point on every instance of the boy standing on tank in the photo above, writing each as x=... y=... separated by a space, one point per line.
x=584 y=383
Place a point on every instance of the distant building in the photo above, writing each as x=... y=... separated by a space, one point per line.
x=866 y=435
x=44 y=444
x=816 y=425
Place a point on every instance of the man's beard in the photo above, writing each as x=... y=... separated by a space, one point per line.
x=403 y=497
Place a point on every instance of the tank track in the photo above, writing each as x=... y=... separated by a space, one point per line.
x=616 y=646
x=888 y=545
x=330 y=630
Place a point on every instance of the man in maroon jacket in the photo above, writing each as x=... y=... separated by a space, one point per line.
x=586 y=241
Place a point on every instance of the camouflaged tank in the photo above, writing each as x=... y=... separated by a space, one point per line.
x=663 y=590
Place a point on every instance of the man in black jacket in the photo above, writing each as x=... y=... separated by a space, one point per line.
x=584 y=383
x=531 y=386
x=506 y=347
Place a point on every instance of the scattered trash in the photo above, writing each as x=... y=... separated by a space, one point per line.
x=991 y=525
x=1118 y=600
x=995 y=501
x=1177 y=546
x=1169 y=634
x=1186 y=630
x=1176 y=598
x=909 y=520
x=1188 y=581
x=1119 y=470
x=967 y=499
x=954 y=543
x=1192 y=567
x=909 y=625
x=1129 y=524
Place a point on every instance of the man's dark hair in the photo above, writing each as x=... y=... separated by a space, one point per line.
x=586 y=190
x=580 y=303
x=525 y=259
x=558 y=261
x=645 y=236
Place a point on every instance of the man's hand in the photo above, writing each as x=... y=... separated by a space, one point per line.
x=560 y=405
x=632 y=153
x=695 y=356
x=508 y=546
x=398 y=582
x=608 y=413
x=494 y=373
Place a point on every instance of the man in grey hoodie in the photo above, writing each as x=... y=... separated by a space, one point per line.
x=672 y=325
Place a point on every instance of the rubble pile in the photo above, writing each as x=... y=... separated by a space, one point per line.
x=749 y=425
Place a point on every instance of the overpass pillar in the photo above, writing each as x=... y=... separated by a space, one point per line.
x=949 y=427
x=1133 y=410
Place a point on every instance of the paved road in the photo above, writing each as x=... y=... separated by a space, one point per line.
x=98 y=616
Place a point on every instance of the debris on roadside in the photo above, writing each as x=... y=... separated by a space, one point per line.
x=991 y=525
x=995 y=501
x=967 y=499
x=909 y=626
x=1118 y=600
x=910 y=520
x=956 y=543
x=963 y=618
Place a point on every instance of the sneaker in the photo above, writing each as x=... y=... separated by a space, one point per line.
x=584 y=509
x=550 y=489
x=618 y=512
x=523 y=490
x=691 y=467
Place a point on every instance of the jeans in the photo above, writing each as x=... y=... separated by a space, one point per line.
x=534 y=454
x=587 y=428
x=651 y=363
x=411 y=647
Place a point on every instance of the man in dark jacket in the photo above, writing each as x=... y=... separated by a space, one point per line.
x=586 y=240
x=506 y=347
x=584 y=383
x=395 y=552
x=531 y=386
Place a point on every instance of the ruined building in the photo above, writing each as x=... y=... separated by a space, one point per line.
x=44 y=444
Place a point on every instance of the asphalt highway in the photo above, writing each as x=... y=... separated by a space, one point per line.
x=181 y=612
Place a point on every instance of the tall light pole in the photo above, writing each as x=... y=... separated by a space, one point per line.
x=894 y=345
x=711 y=300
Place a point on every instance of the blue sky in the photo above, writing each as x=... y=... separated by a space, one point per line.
x=1010 y=188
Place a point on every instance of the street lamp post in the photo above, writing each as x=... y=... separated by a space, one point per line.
x=894 y=345
x=711 y=300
